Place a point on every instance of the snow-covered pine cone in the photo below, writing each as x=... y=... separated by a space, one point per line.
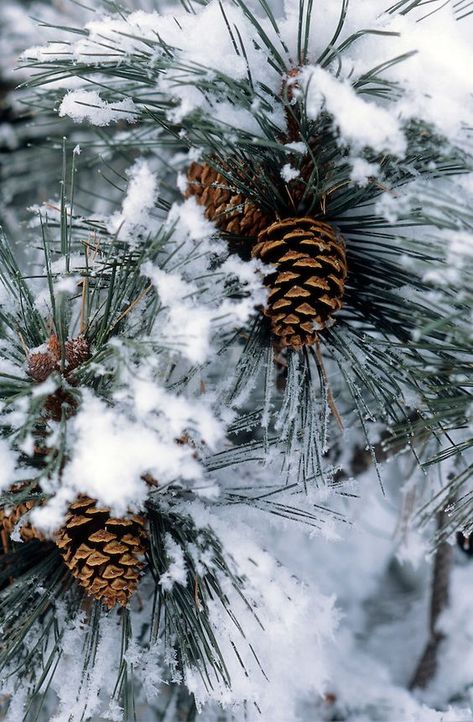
x=9 y=520
x=308 y=283
x=102 y=552
x=224 y=205
x=45 y=360
x=41 y=362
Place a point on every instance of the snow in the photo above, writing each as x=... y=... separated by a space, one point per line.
x=193 y=311
x=188 y=325
x=435 y=84
x=104 y=464
x=433 y=73
x=190 y=220
x=362 y=171
x=288 y=173
x=87 y=105
x=67 y=285
x=97 y=681
x=176 y=573
x=7 y=465
x=283 y=609
x=455 y=661
x=216 y=54
x=19 y=27
x=135 y=216
x=173 y=414
x=360 y=123
x=436 y=76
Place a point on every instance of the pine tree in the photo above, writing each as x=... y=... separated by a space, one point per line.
x=262 y=296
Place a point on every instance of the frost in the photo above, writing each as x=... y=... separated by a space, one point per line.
x=287 y=610
x=176 y=573
x=87 y=105
x=188 y=324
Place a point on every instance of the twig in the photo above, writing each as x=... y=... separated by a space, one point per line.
x=427 y=666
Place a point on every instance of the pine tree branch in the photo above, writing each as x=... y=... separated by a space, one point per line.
x=427 y=667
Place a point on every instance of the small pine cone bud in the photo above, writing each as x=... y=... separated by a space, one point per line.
x=224 y=204
x=76 y=351
x=60 y=403
x=10 y=519
x=308 y=284
x=102 y=552
x=43 y=361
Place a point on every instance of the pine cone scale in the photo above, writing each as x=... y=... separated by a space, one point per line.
x=112 y=572
x=83 y=552
x=114 y=547
x=297 y=292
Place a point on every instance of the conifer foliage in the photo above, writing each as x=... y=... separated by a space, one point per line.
x=248 y=287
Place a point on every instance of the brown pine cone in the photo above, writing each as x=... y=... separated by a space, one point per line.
x=102 y=552
x=8 y=521
x=308 y=284
x=43 y=362
x=223 y=204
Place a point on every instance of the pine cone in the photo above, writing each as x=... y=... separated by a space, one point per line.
x=102 y=552
x=308 y=284
x=224 y=205
x=8 y=521
x=76 y=352
x=42 y=362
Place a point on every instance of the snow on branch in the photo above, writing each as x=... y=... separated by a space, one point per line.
x=87 y=105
